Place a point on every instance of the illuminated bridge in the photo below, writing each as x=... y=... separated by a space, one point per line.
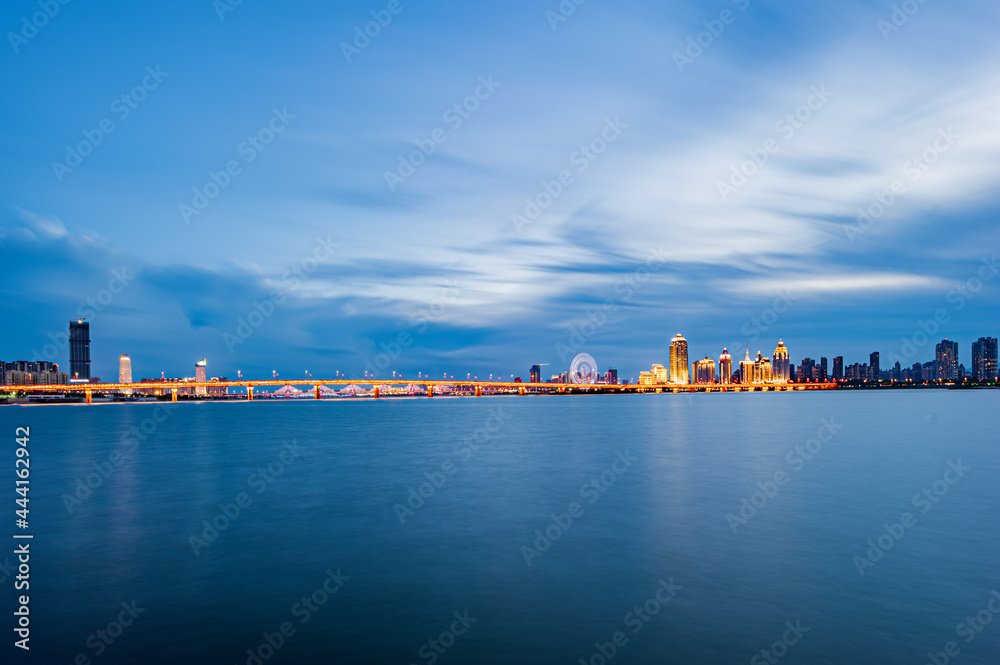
x=386 y=387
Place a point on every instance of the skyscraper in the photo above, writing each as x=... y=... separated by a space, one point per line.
x=984 y=359
x=199 y=375
x=704 y=371
x=536 y=374
x=79 y=351
x=946 y=360
x=125 y=371
x=779 y=364
x=838 y=368
x=725 y=367
x=874 y=367
x=746 y=369
x=806 y=371
x=679 y=368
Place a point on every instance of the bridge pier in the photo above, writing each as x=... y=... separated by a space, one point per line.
x=173 y=394
x=318 y=394
x=249 y=393
x=479 y=391
x=430 y=391
x=520 y=391
x=377 y=394
x=89 y=396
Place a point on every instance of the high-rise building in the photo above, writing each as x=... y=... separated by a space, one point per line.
x=725 y=367
x=704 y=371
x=875 y=367
x=199 y=375
x=679 y=368
x=806 y=372
x=762 y=370
x=779 y=364
x=125 y=371
x=536 y=374
x=746 y=369
x=946 y=360
x=823 y=370
x=611 y=377
x=79 y=351
x=984 y=359
x=838 y=368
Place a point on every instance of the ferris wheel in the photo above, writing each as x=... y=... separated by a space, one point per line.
x=583 y=369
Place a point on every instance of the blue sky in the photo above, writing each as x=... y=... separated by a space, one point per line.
x=653 y=229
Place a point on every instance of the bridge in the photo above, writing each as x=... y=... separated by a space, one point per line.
x=380 y=386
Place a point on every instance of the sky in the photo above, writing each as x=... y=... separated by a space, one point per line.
x=455 y=188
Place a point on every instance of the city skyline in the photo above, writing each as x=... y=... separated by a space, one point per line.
x=776 y=368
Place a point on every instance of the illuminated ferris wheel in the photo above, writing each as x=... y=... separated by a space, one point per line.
x=583 y=369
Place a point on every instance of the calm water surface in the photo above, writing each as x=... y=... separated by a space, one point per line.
x=648 y=551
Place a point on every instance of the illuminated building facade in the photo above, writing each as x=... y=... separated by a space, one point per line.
x=780 y=364
x=725 y=367
x=757 y=371
x=762 y=370
x=679 y=368
x=657 y=376
x=746 y=369
x=199 y=375
x=984 y=359
x=125 y=371
x=704 y=371
x=946 y=360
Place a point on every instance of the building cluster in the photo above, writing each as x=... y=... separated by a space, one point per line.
x=945 y=367
x=25 y=373
x=609 y=377
x=200 y=376
x=760 y=370
x=777 y=369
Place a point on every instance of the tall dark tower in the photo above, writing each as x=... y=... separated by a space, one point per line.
x=79 y=350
